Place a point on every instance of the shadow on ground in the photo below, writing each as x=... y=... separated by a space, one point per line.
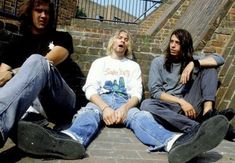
x=11 y=155
x=207 y=157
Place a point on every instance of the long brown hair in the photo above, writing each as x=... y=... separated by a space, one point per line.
x=186 y=49
x=25 y=14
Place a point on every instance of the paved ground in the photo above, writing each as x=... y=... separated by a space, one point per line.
x=119 y=145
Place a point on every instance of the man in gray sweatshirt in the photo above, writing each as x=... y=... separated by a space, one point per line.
x=183 y=86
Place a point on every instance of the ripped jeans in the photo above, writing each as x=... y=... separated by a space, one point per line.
x=87 y=123
x=36 y=76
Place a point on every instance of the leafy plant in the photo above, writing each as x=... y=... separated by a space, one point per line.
x=80 y=13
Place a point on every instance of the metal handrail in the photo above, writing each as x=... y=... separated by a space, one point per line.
x=115 y=10
x=148 y=9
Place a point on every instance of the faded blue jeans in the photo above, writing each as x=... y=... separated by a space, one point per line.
x=171 y=116
x=87 y=122
x=35 y=77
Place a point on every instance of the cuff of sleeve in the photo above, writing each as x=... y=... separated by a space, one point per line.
x=196 y=63
x=89 y=93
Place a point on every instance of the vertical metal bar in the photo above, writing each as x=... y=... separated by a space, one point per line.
x=132 y=7
x=115 y=9
x=135 y=8
x=111 y=9
x=85 y=8
x=122 y=9
x=96 y=5
x=102 y=9
x=15 y=8
x=145 y=8
x=4 y=4
x=108 y=10
x=129 y=9
x=90 y=9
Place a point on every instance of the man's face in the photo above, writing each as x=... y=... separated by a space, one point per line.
x=120 y=44
x=174 y=45
x=40 y=16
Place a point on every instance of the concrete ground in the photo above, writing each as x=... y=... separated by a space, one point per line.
x=119 y=145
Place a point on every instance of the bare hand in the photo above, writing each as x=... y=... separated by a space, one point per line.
x=4 y=77
x=120 y=114
x=109 y=116
x=185 y=76
x=188 y=109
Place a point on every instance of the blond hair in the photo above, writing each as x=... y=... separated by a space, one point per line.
x=128 y=52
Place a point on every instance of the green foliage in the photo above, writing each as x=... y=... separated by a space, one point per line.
x=80 y=13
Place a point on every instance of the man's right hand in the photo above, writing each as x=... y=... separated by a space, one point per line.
x=188 y=109
x=185 y=76
x=109 y=116
x=5 y=76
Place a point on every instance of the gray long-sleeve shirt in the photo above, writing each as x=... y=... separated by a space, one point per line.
x=160 y=80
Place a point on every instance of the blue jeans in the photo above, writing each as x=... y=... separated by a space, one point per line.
x=87 y=122
x=35 y=77
x=170 y=115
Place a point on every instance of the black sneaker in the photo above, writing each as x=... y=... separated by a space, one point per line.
x=228 y=113
x=40 y=141
x=36 y=118
x=230 y=136
x=207 y=136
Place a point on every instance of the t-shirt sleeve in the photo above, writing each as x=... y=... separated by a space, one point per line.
x=3 y=55
x=8 y=54
x=155 y=83
x=65 y=40
x=94 y=77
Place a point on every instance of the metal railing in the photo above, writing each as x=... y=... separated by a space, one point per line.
x=121 y=11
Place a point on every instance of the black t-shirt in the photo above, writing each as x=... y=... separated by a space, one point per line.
x=18 y=50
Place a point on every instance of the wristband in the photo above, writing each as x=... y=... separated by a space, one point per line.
x=196 y=63
x=105 y=108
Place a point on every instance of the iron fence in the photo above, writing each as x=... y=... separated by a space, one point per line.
x=121 y=11
x=124 y=11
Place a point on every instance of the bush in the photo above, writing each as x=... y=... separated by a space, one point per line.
x=80 y=13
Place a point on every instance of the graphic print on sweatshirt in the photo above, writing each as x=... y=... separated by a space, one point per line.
x=117 y=87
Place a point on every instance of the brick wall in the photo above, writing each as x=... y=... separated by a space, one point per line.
x=90 y=40
x=91 y=37
x=222 y=41
x=67 y=11
x=10 y=6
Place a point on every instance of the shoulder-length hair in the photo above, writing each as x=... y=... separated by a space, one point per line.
x=186 y=49
x=25 y=14
x=128 y=52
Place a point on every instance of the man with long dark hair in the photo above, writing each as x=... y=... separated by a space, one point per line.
x=37 y=66
x=183 y=86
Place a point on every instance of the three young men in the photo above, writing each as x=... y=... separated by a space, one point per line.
x=114 y=92
x=114 y=89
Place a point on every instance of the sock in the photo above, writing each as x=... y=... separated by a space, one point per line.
x=171 y=142
x=70 y=135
